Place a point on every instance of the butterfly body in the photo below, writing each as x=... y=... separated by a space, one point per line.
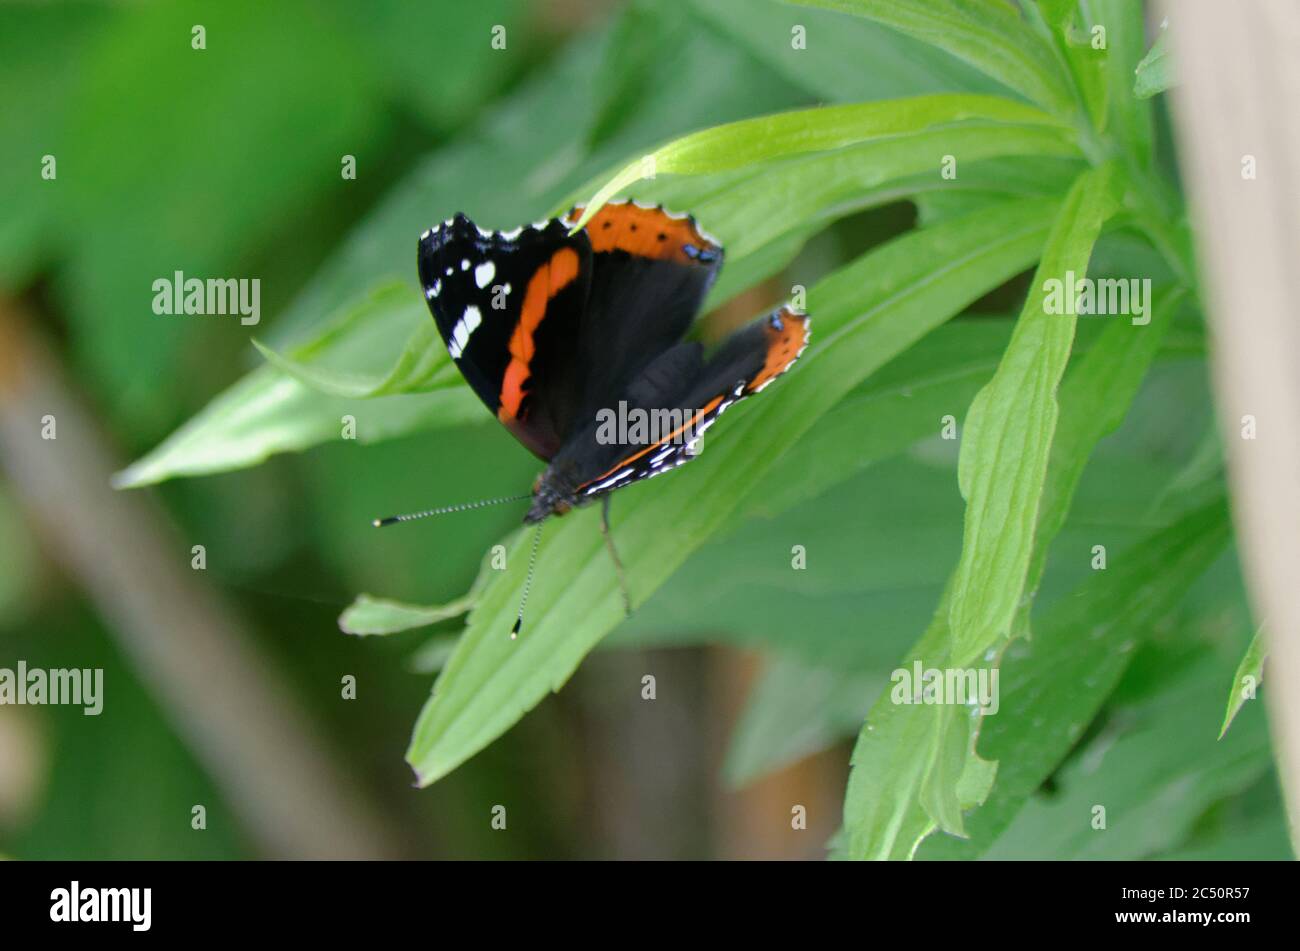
x=554 y=330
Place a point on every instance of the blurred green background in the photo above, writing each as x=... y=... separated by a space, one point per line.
x=226 y=162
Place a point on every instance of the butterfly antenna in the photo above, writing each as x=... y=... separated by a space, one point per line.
x=528 y=582
x=446 y=509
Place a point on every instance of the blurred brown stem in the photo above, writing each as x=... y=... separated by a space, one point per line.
x=184 y=641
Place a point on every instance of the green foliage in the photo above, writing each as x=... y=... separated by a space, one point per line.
x=866 y=312
x=1155 y=73
x=1009 y=430
x=1249 y=675
x=1072 y=430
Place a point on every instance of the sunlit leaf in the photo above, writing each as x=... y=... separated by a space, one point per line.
x=764 y=138
x=421 y=365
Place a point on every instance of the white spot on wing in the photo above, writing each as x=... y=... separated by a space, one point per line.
x=464 y=327
x=484 y=273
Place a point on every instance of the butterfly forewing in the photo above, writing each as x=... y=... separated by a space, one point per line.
x=509 y=307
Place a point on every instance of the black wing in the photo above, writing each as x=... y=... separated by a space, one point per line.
x=681 y=382
x=651 y=270
x=509 y=306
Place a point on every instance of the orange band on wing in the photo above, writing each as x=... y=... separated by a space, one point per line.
x=783 y=347
x=694 y=420
x=550 y=279
x=648 y=233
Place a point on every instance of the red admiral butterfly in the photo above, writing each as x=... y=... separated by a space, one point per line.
x=553 y=330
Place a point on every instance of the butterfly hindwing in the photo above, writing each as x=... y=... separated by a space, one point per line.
x=702 y=390
x=509 y=307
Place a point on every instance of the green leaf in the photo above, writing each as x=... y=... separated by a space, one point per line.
x=1097 y=396
x=1250 y=674
x=1057 y=14
x=1154 y=770
x=1053 y=685
x=1129 y=118
x=989 y=36
x=818 y=188
x=751 y=141
x=1155 y=73
x=368 y=616
x=889 y=809
x=987 y=182
x=909 y=762
x=876 y=548
x=421 y=366
x=895 y=408
x=270 y=411
x=1055 y=21
x=1009 y=430
x=865 y=313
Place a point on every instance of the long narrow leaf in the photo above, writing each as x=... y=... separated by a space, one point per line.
x=750 y=141
x=1009 y=430
x=1096 y=397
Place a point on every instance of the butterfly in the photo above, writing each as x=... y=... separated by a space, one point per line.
x=576 y=342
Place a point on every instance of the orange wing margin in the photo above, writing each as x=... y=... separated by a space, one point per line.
x=649 y=232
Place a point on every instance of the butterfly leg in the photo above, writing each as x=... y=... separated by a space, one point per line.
x=613 y=553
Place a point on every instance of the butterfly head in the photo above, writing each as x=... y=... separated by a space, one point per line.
x=552 y=495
